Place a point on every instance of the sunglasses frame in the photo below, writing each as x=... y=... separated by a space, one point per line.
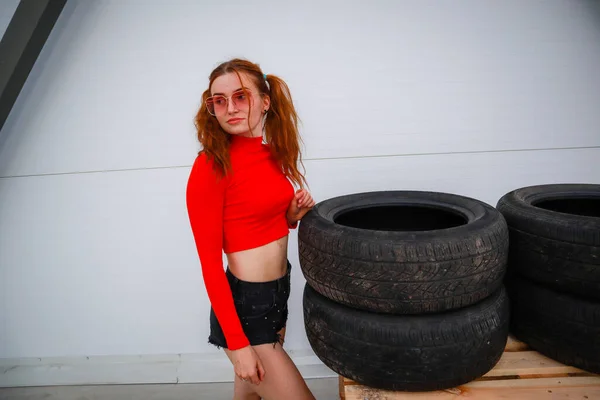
x=246 y=92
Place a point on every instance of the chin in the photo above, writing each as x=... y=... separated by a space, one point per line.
x=236 y=130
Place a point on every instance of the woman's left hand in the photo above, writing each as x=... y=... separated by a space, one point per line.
x=299 y=206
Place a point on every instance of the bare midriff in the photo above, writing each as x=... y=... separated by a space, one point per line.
x=260 y=264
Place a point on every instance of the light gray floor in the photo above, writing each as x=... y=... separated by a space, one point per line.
x=323 y=389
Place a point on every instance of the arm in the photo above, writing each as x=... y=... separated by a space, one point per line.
x=205 y=200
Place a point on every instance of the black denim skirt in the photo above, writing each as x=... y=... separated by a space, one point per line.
x=261 y=307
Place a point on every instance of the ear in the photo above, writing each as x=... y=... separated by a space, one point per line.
x=266 y=102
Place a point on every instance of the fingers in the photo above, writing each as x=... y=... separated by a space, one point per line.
x=308 y=203
x=304 y=199
x=261 y=371
x=247 y=365
x=254 y=377
x=251 y=378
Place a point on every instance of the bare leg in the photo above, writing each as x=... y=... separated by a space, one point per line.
x=282 y=378
x=242 y=390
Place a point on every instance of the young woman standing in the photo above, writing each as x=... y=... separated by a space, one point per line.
x=240 y=200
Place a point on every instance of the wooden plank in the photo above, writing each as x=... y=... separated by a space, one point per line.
x=537 y=383
x=522 y=389
x=342 y=388
x=529 y=363
x=522 y=364
x=514 y=344
x=511 y=382
x=539 y=393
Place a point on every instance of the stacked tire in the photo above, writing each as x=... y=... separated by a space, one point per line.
x=405 y=289
x=554 y=270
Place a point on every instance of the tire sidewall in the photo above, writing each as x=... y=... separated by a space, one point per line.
x=450 y=339
x=520 y=213
x=478 y=215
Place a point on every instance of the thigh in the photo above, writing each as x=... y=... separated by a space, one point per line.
x=242 y=390
x=282 y=378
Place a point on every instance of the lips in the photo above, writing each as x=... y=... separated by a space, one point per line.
x=234 y=120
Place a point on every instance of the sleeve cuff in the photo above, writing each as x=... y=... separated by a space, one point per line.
x=238 y=343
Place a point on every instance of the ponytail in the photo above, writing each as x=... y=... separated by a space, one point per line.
x=281 y=130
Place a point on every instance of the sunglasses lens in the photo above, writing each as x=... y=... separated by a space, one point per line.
x=240 y=99
x=216 y=105
x=220 y=104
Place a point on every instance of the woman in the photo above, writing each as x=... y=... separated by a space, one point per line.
x=240 y=200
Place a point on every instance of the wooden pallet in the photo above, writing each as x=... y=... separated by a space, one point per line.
x=521 y=374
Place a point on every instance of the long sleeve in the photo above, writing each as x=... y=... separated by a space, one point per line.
x=205 y=201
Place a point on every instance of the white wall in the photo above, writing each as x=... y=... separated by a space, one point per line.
x=100 y=280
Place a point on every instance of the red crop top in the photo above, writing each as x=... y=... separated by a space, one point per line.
x=244 y=210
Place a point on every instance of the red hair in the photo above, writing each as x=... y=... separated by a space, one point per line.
x=281 y=125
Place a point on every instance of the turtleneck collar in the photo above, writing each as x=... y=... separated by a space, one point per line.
x=238 y=141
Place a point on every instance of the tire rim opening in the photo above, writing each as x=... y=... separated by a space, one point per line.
x=587 y=207
x=400 y=218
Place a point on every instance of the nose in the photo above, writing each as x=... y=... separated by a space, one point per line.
x=231 y=107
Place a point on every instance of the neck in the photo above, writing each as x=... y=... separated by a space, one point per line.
x=245 y=136
x=248 y=134
x=257 y=130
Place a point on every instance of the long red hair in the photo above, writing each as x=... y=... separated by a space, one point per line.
x=281 y=124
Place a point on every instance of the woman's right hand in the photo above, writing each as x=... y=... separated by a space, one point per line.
x=247 y=365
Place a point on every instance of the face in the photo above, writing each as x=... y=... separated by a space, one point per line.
x=237 y=113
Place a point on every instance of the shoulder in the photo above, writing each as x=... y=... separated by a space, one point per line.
x=202 y=162
x=204 y=172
